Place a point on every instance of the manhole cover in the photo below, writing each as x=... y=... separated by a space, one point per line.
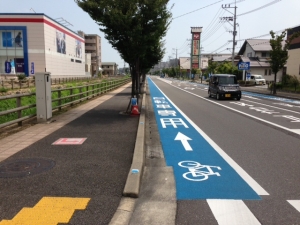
x=25 y=167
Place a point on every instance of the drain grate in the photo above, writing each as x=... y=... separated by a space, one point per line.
x=25 y=167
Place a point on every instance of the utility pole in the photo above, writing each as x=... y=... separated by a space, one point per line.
x=234 y=26
x=176 y=62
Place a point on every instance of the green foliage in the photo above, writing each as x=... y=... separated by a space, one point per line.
x=286 y=79
x=3 y=90
x=279 y=52
x=221 y=68
x=294 y=81
x=134 y=28
x=11 y=104
x=21 y=76
x=194 y=71
x=28 y=100
x=212 y=67
x=227 y=68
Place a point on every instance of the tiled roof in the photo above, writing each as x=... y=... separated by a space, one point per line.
x=260 y=44
x=255 y=61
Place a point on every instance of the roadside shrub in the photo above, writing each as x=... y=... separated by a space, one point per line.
x=21 y=76
x=3 y=90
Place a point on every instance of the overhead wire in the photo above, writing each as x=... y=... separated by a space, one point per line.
x=261 y=7
x=197 y=9
x=215 y=26
x=212 y=21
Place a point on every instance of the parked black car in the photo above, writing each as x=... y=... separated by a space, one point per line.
x=224 y=86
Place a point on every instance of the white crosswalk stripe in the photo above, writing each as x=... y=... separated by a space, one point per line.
x=232 y=212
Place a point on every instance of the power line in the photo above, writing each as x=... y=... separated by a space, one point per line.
x=215 y=39
x=264 y=6
x=212 y=21
x=222 y=46
x=211 y=31
x=183 y=45
x=197 y=9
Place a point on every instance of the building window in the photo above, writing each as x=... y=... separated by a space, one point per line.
x=263 y=54
x=270 y=71
x=266 y=72
x=249 y=54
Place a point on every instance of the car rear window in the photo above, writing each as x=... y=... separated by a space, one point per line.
x=227 y=80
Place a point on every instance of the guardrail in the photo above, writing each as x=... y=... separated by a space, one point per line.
x=9 y=82
x=60 y=98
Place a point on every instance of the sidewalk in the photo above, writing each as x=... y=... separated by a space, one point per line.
x=95 y=171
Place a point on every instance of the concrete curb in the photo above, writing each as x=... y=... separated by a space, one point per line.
x=132 y=187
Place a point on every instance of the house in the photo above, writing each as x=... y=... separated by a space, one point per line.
x=293 y=62
x=109 y=68
x=257 y=52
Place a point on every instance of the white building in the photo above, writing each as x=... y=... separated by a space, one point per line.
x=37 y=43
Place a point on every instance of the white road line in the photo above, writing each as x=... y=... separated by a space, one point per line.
x=297 y=131
x=247 y=178
x=295 y=203
x=272 y=106
x=246 y=114
x=250 y=97
x=232 y=212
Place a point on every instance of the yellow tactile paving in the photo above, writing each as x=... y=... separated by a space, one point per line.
x=49 y=211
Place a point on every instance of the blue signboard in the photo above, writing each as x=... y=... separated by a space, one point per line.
x=32 y=68
x=244 y=66
x=7 y=67
x=200 y=171
x=248 y=75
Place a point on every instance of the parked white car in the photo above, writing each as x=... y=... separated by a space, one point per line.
x=258 y=79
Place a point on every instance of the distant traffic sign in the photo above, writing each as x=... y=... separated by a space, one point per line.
x=244 y=66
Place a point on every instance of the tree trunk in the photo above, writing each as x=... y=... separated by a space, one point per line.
x=133 y=78
x=274 y=84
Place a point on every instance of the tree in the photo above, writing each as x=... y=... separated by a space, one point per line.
x=227 y=68
x=279 y=53
x=212 y=67
x=295 y=82
x=134 y=28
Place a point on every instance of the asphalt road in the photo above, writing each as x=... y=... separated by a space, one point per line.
x=260 y=139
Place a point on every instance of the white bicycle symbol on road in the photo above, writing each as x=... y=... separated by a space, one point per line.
x=198 y=172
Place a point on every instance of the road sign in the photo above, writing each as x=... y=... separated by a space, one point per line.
x=244 y=66
x=7 y=67
x=248 y=75
x=32 y=68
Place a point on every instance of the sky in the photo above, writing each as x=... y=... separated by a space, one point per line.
x=255 y=18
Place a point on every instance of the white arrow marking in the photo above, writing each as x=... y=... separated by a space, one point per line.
x=184 y=140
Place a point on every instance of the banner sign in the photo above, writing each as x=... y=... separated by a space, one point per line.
x=196 y=32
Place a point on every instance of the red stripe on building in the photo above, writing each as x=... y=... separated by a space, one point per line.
x=38 y=20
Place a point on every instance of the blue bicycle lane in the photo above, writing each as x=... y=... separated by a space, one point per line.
x=200 y=172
